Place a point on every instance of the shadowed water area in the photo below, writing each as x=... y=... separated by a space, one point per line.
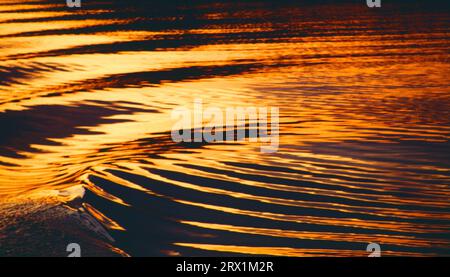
x=86 y=154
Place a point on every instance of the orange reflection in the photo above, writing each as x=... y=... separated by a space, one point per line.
x=364 y=123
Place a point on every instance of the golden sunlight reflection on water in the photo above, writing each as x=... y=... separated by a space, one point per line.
x=86 y=100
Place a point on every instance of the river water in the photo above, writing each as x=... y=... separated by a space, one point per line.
x=86 y=155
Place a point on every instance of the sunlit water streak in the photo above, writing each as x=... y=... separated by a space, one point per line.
x=86 y=154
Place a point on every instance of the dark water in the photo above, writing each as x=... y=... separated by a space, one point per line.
x=85 y=115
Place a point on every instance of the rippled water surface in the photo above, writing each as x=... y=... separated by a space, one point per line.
x=85 y=114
